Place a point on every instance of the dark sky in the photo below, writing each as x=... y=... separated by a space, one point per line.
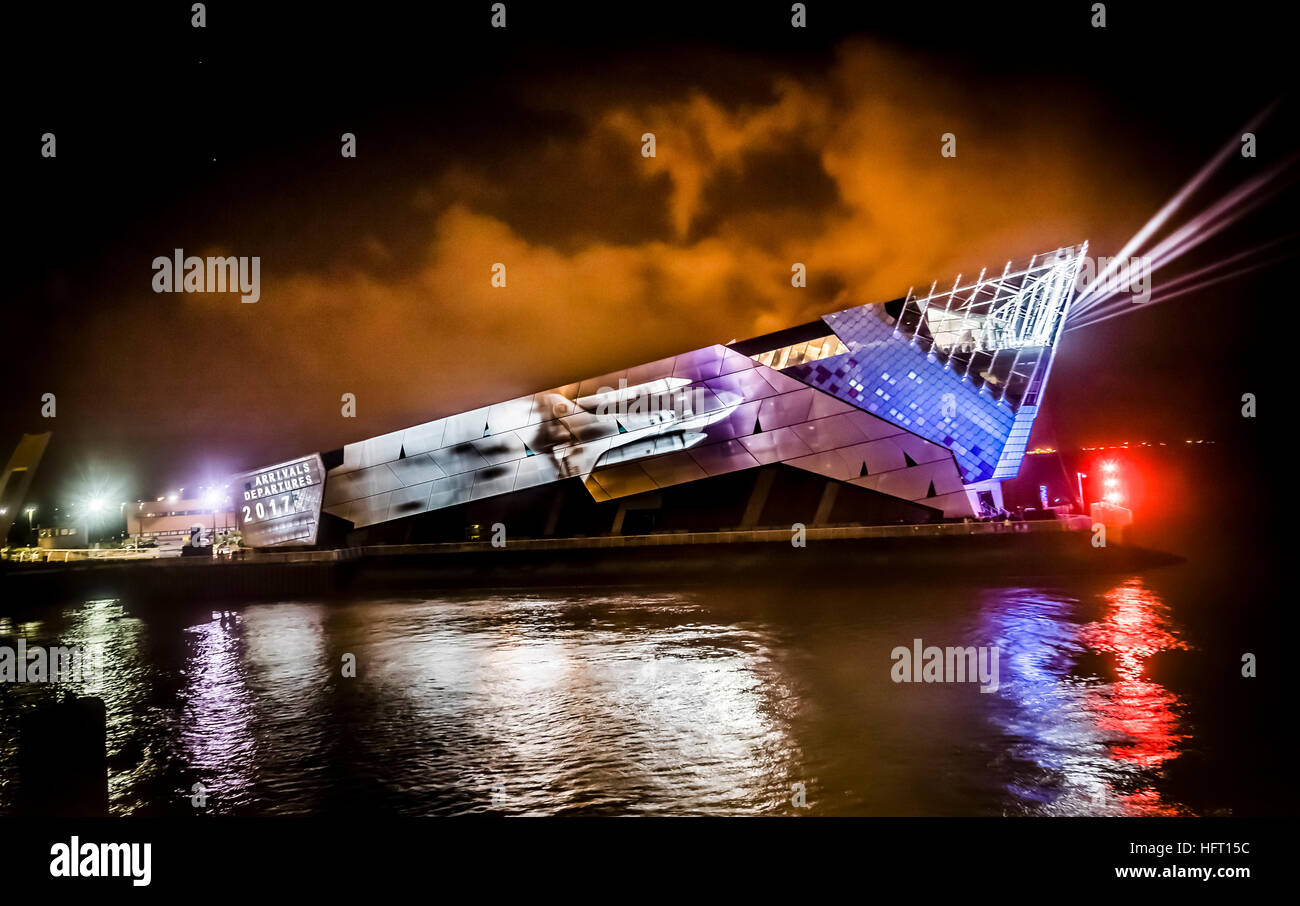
x=522 y=146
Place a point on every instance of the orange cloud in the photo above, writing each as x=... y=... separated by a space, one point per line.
x=612 y=258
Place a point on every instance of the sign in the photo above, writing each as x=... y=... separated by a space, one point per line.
x=280 y=504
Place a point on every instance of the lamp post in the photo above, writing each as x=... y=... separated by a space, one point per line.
x=213 y=500
x=93 y=507
x=1082 y=503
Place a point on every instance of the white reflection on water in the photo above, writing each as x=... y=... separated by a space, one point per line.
x=635 y=703
x=573 y=708
x=255 y=724
x=216 y=711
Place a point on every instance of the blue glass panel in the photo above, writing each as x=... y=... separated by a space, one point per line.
x=888 y=375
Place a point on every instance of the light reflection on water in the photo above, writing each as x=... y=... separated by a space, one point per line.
x=1091 y=742
x=634 y=702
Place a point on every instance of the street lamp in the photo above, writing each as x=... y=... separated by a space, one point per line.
x=1082 y=503
x=30 y=511
x=94 y=506
x=212 y=500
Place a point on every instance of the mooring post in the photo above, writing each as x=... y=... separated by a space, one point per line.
x=63 y=759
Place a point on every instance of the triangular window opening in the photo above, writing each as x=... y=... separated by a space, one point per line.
x=909 y=460
x=863 y=473
x=930 y=493
x=401 y=454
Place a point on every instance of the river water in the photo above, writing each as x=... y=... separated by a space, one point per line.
x=1116 y=695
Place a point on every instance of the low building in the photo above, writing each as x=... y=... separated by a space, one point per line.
x=171 y=522
x=61 y=537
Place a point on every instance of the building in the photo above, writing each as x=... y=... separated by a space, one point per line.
x=61 y=537
x=170 y=521
x=913 y=410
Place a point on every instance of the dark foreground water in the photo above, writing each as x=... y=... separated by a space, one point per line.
x=1117 y=696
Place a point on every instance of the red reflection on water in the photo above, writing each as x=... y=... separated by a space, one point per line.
x=1148 y=802
x=1140 y=713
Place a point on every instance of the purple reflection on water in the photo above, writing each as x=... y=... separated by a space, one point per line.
x=1089 y=745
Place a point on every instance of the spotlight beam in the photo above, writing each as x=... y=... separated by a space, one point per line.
x=1128 y=309
x=1208 y=223
x=1189 y=188
x=1125 y=302
x=1236 y=204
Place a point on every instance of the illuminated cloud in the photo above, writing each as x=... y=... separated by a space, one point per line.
x=612 y=258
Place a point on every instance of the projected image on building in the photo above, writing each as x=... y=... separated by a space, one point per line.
x=929 y=399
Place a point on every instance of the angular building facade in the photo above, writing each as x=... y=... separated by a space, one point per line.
x=907 y=411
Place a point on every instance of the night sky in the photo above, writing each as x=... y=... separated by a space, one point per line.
x=522 y=146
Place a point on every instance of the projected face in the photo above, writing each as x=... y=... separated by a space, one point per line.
x=703 y=413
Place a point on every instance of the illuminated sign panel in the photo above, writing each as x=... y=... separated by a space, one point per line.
x=280 y=504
